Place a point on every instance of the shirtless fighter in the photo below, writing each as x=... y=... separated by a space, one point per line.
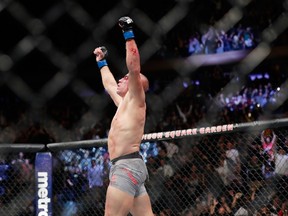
x=126 y=191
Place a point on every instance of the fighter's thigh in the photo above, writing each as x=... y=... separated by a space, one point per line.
x=118 y=203
x=142 y=206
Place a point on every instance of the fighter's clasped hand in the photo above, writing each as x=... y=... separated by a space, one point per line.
x=101 y=54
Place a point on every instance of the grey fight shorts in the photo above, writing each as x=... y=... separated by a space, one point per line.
x=129 y=175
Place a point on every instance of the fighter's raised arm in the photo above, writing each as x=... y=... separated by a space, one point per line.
x=138 y=83
x=108 y=79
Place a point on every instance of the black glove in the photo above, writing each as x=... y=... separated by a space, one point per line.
x=126 y=23
x=105 y=52
x=101 y=63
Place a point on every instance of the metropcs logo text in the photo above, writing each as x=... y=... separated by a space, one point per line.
x=42 y=192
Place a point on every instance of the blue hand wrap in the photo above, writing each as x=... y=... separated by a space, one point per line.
x=128 y=35
x=102 y=63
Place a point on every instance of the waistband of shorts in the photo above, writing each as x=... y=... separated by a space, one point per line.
x=128 y=156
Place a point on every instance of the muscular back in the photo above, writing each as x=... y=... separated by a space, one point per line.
x=127 y=127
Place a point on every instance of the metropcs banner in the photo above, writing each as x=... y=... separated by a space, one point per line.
x=43 y=176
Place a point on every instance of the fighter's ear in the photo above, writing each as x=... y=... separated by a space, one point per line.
x=145 y=82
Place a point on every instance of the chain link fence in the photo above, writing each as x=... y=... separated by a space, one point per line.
x=42 y=65
x=234 y=173
x=47 y=76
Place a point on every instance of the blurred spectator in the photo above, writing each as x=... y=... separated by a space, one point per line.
x=233 y=155
x=96 y=173
x=220 y=208
x=187 y=212
x=85 y=162
x=153 y=163
x=166 y=212
x=210 y=41
x=73 y=188
x=225 y=173
x=254 y=172
x=171 y=148
x=5 y=187
x=24 y=169
x=27 y=172
x=268 y=139
x=274 y=206
x=248 y=38
x=194 y=181
x=148 y=149
x=281 y=161
x=194 y=46
x=284 y=209
x=264 y=210
x=285 y=146
x=239 y=204
x=225 y=40
x=95 y=176
x=184 y=114
x=165 y=169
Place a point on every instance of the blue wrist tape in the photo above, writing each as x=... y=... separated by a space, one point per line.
x=102 y=63
x=128 y=35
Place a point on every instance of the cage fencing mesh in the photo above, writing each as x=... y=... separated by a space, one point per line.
x=231 y=172
x=41 y=63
